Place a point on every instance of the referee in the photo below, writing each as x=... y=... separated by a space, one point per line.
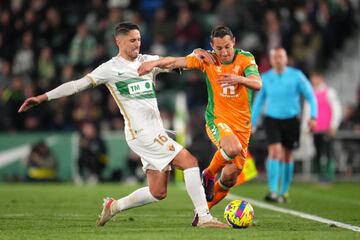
x=281 y=93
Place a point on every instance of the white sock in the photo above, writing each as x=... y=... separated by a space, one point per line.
x=196 y=192
x=137 y=198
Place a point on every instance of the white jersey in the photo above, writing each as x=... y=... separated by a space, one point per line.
x=134 y=94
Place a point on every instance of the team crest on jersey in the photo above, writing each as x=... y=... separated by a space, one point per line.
x=171 y=147
x=236 y=69
x=218 y=69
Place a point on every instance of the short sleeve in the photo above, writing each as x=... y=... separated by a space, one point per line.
x=193 y=63
x=99 y=75
x=250 y=67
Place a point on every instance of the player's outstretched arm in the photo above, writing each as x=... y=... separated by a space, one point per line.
x=32 y=102
x=63 y=90
x=164 y=63
x=176 y=62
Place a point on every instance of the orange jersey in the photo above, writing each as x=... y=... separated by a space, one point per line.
x=227 y=104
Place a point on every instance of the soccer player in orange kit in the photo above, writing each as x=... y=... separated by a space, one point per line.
x=231 y=75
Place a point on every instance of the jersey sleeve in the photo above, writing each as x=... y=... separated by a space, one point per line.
x=249 y=65
x=307 y=91
x=193 y=63
x=257 y=106
x=99 y=75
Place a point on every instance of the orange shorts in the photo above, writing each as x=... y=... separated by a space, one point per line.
x=220 y=130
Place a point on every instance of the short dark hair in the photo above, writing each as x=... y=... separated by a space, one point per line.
x=124 y=28
x=220 y=32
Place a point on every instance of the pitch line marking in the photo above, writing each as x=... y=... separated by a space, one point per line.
x=311 y=217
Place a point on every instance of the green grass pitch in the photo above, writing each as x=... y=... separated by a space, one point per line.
x=61 y=211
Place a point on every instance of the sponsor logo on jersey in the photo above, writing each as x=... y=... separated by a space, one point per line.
x=140 y=87
x=236 y=69
x=228 y=91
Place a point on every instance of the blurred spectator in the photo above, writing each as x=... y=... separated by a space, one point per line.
x=148 y=8
x=85 y=109
x=5 y=74
x=45 y=68
x=135 y=167
x=82 y=48
x=99 y=57
x=41 y=164
x=12 y=97
x=115 y=16
x=55 y=34
x=187 y=31
x=25 y=56
x=7 y=46
x=356 y=116
x=68 y=73
x=162 y=32
x=37 y=119
x=113 y=119
x=163 y=27
x=228 y=13
x=272 y=30
x=306 y=47
x=327 y=124
x=61 y=117
x=206 y=16
x=348 y=122
x=93 y=156
x=96 y=15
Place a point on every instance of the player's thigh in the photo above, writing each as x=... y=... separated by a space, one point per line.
x=223 y=137
x=158 y=182
x=184 y=160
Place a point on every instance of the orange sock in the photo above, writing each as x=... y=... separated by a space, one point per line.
x=217 y=163
x=219 y=194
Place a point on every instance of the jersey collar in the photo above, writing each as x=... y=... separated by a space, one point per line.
x=230 y=62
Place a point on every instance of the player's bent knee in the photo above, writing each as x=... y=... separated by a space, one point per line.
x=159 y=195
x=233 y=151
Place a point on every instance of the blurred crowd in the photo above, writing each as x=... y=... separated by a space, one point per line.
x=44 y=43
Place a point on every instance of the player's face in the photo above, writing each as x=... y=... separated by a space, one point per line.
x=224 y=48
x=316 y=80
x=278 y=58
x=129 y=44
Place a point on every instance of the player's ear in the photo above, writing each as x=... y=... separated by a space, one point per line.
x=117 y=40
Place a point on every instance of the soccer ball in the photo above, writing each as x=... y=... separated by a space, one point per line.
x=239 y=214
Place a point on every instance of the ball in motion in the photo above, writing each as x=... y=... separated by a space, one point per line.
x=239 y=214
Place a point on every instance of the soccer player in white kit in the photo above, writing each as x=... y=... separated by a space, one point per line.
x=144 y=131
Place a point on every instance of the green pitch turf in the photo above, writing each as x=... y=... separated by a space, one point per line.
x=69 y=212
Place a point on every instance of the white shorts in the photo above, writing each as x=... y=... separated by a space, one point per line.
x=156 y=149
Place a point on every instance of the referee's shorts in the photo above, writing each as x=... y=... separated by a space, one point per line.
x=284 y=131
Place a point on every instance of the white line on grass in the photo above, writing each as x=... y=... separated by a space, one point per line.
x=261 y=204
